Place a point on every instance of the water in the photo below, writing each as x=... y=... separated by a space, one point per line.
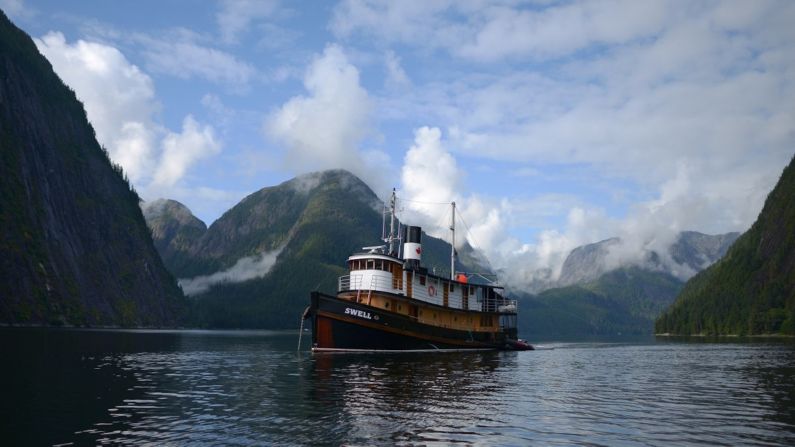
x=244 y=388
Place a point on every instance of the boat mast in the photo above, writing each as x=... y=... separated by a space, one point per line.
x=452 y=248
x=391 y=240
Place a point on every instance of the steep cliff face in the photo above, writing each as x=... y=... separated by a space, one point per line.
x=75 y=247
x=751 y=290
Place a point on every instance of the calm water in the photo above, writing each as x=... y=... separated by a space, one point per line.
x=188 y=387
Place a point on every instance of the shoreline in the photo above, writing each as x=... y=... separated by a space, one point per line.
x=670 y=335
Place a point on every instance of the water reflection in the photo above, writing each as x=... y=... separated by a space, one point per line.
x=251 y=388
x=393 y=398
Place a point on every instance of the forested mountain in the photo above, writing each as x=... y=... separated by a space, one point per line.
x=255 y=266
x=593 y=298
x=74 y=246
x=622 y=301
x=751 y=290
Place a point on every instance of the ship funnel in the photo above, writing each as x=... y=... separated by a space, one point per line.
x=412 y=249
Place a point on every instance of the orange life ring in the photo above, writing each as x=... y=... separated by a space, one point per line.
x=431 y=291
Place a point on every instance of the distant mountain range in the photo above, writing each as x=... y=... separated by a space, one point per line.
x=752 y=289
x=256 y=265
x=74 y=247
x=594 y=296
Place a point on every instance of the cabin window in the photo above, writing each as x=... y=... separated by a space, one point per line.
x=452 y=287
x=471 y=290
x=422 y=280
x=370 y=264
x=386 y=305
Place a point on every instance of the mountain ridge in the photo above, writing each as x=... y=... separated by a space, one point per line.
x=310 y=224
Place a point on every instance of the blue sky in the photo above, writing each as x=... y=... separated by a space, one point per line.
x=552 y=124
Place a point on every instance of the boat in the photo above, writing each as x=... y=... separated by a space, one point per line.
x=390 y=302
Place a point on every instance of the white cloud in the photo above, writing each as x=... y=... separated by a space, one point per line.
x=395 y=74
x=17 y=9
x=696 y=103
x=236 y=16
x=181 y=150
x=120 y=103
x=247 y=268
x=324 y=129
x=429 y=172
x=181 y=54
x=118 y=97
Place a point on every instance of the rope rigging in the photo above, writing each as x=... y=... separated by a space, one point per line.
x=444 y=223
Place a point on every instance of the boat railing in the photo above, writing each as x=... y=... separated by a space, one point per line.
x=344 y=283
x=501 y=306
x=364 y=282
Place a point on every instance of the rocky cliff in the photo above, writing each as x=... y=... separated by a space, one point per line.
x=74 y=245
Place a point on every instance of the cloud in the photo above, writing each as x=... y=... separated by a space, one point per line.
x=181 y=150
x=324 y=129
x=236 y=16
x=432 y=178
x=181 y=54
x=17 y=9
x=395 y=74
x=245 y=269
x=429 y=172
x=120 y=103
x=118 y=97
x=691 y=110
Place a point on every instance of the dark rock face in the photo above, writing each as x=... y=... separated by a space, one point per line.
x=698 y=251
x=75 y=247
x=586 y=263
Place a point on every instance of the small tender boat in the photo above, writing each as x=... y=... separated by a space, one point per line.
x=390 y=302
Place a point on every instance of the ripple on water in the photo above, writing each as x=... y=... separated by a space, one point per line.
x=243 y=389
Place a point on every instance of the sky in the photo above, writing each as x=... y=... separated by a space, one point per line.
x=551 y=124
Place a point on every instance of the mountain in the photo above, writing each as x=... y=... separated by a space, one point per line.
x=691 y=252
x=255 y=266
x=175 y=229
x=622 y=301
x=586 y=262
x=74 y=246
x=751 y=290
x=698 y=251
x=595 y=298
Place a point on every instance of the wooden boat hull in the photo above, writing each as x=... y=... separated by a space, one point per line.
x=343 y=325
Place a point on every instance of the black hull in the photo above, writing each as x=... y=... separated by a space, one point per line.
x=341 y=325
